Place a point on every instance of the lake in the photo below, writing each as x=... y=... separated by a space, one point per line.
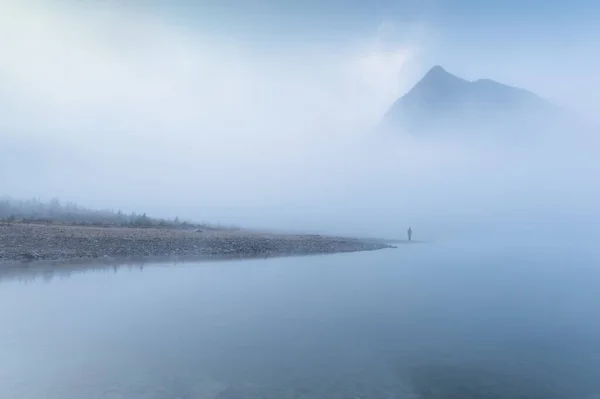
x=431 y=320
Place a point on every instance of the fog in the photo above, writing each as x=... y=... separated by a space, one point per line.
x=114 y=107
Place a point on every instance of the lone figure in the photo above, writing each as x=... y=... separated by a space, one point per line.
x=409 y=232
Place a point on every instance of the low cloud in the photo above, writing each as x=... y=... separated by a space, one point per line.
x=114 y=108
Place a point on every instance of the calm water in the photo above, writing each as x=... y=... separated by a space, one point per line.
x=422 y=321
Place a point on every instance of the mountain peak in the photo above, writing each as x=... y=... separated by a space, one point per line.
x=436 y=78
x=436 y=69
x=440 y=97
x=438 y=72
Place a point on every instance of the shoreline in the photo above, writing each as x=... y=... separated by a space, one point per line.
x=55 y=243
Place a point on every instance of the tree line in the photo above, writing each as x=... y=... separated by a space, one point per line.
x=54 y=211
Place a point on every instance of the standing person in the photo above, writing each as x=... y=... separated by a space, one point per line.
x=409 y=232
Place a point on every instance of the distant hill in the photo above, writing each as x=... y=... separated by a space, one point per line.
x=442 y=102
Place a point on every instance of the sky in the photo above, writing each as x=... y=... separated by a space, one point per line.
x=256 y=112
x=540 y=40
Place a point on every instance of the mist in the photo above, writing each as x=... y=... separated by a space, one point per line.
x=112 y=107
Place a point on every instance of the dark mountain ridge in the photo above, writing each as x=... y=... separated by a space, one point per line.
x=441 y=101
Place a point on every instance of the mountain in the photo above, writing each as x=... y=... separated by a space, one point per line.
x=441 y=102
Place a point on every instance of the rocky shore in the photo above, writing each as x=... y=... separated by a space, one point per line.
x=39 y=242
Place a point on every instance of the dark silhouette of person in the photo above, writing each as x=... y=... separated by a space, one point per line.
x=409 y=232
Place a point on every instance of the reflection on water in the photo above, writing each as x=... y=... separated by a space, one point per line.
x=29 y=272
x=427 y=321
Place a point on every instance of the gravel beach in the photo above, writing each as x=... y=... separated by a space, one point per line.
x=39 y=242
